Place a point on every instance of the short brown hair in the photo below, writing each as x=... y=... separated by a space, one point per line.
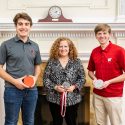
x=54 y=52
x=102 y=27
x=23 y=16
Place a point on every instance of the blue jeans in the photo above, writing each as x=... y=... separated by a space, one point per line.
x=14 y=100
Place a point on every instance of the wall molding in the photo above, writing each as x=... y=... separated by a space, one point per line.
x=62 y=26
x=50 y=31
x=66 y=29
x=15 y=5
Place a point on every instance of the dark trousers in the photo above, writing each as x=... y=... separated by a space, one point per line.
x=70 y=115
x=38 y=111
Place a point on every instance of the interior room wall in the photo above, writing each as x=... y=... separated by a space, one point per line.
x=85 y=15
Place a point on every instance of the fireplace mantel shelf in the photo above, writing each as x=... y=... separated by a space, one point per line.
x=77 y=31
x=63 y=26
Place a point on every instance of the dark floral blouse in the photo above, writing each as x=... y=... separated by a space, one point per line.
x=55 y=74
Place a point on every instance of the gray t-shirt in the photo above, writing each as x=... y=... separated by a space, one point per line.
x=20 y=57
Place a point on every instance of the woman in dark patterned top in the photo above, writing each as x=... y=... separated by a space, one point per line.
x=63 y=78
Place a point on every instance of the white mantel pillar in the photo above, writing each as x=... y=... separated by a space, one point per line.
x=2 y=114
x=121 y=11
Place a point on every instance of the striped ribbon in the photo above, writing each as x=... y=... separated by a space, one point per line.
x=63 y=103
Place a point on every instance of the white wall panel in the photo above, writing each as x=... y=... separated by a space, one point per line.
x=82 y=11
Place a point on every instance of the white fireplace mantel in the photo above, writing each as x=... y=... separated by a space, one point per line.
x=80 y=31
x=62 y=26
x=55 y=29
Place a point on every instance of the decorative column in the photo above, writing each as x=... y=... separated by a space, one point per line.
x=2 y=114
x=121 y=11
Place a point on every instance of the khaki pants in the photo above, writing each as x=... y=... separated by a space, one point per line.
x=20 y=119
x=111 y=107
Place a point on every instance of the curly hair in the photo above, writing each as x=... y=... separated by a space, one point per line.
x=54 y=51
x=23 y=16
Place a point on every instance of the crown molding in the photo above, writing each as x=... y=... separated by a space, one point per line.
x=63 y=26
x=53 y=30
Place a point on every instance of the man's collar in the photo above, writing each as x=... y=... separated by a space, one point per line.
x=17 y=39
x=107 y=48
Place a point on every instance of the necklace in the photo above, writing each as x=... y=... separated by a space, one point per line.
x=64 y=62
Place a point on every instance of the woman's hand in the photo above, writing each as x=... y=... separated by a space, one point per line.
x=71 y=88
x=59 y=88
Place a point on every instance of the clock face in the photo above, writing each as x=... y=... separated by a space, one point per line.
x=55 y=12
